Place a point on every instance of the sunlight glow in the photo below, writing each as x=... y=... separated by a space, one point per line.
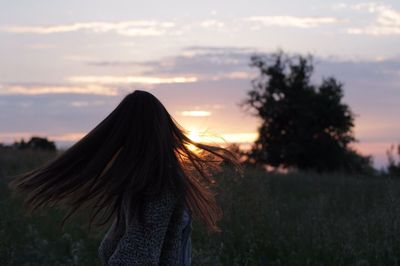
x=204 y=137
x=194 y=135
x=244 y=140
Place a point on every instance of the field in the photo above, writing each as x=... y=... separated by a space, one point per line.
x=269 y=219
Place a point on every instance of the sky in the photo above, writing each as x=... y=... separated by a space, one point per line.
x=65 y=65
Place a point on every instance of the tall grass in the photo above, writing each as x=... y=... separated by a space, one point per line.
x=38 y=239
x=269 y=219
x=307 y=219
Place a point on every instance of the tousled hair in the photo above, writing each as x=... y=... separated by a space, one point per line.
x=138 y=150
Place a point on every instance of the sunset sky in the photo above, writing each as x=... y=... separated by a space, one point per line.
x=65 y=65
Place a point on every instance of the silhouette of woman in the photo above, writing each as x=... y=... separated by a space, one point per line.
x=138 y=171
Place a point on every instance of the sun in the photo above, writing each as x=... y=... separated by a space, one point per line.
x=194 y=135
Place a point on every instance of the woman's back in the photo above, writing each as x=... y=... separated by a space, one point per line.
x=163 y=239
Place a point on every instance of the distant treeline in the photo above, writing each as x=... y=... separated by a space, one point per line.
x=393 y=165
x=44 y=144
x=34 y=143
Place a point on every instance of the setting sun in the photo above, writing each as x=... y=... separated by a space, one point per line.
x=194 y=136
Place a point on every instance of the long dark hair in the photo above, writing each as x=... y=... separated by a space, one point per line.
x=137 y=150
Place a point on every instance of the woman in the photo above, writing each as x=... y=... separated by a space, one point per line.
x=138 y=169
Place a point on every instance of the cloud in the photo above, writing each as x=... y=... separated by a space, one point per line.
x=240 y=137
x=220 y=49
x=234 y=75
x=86 y=103
x=130 y=80
x=126 y=28
x=386 y=20
x=206 y=63
x=194 y=64
x=212 y=23
x=226 y=55
x=293 y=21
x=206 y=137
x=196 y=113
x=49 y=89
x=114 y=63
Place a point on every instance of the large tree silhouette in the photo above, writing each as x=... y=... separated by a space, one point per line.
x=303 y=126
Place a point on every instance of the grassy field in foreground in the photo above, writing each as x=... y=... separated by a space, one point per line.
x=269 y=219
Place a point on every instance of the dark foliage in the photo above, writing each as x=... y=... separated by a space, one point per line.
x=35 y=143
x=393 y=168
x=303 y=126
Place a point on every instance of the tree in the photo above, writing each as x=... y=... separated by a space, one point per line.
x=303 y=126
x=393 y=168
x=36 y=143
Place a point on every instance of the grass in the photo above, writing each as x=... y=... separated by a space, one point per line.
x=309 y=219
x=269 y=219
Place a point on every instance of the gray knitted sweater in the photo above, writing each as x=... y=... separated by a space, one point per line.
x=156 y=242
